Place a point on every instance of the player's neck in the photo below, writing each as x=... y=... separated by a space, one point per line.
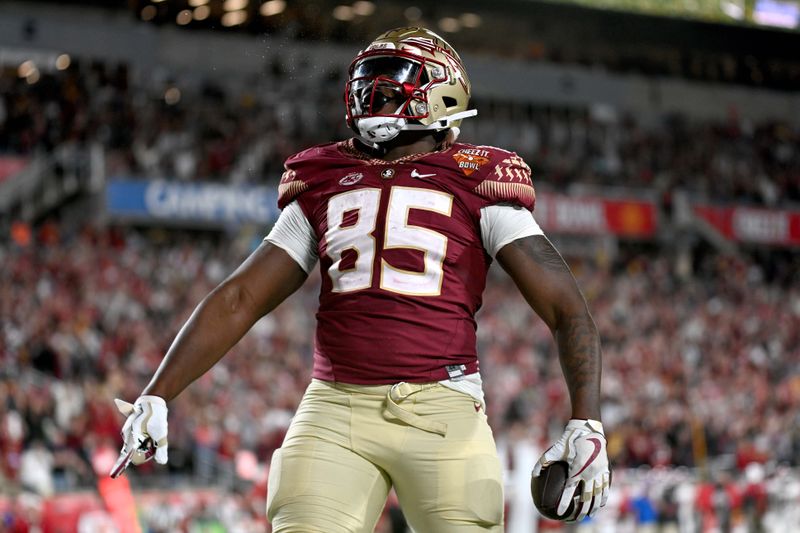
x=422 y=145
x=403 y=147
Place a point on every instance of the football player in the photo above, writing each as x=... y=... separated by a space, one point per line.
x=404 y=222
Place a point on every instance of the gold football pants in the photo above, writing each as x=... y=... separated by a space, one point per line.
x=349 y=444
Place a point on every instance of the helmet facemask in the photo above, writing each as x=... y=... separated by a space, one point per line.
x=387 y=94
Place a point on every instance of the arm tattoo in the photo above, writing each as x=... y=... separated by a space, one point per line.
x=541 y=250
x=578 y=341
x=581 y=360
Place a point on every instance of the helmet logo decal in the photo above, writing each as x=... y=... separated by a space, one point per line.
x=471 y=159
x=430 y=46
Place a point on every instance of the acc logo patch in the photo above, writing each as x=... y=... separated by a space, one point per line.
x=471 y=159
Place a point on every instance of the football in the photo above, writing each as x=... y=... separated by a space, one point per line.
x=547 y=488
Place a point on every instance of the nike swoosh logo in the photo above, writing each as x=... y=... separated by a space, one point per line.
x=416 y=174
x=595 y=453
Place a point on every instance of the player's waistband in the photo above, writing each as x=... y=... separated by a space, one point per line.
x=395 y=394
x=325 y=369
x=376 y=390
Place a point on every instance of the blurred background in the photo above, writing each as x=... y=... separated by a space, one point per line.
x=141 y=143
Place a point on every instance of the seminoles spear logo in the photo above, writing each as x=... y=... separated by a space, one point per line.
x=470 y=160
x=434 y=45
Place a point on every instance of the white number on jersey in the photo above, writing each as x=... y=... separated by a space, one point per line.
x=400 y=234
x=363 y=205
x=357 y=237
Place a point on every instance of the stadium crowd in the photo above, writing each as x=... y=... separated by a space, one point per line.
x=696 y=370
x=157 y=127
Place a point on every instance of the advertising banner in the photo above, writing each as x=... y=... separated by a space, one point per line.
x=753 y=225
x=207 y=204
x=559 y=213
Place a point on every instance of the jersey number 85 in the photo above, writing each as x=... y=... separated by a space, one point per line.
x=398 y=234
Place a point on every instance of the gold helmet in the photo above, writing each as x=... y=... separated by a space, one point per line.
x=406 y=79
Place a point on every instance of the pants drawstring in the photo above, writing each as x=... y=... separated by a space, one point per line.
x=397 y=394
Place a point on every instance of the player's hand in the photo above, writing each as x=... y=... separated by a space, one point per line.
x=583 y=447
x=144 y=433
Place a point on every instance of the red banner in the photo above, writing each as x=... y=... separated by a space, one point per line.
x=746 y=224
x=596 y=216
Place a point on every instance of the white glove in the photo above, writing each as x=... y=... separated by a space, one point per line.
x=583 y=447
x=144 y=433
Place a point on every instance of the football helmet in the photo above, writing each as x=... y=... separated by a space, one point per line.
x=406 y=79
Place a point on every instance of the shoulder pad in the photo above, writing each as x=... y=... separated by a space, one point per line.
x=290 y=186
x=298 y=170
x=508 y=181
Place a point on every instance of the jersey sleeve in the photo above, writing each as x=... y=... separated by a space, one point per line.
x=502 y=224
x=293 y=233
x=509 y=181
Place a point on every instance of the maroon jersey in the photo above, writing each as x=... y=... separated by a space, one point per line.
x=402 y=260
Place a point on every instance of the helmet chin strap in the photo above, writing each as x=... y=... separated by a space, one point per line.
x=375 y=130
x=444 y=122
x=380 y=129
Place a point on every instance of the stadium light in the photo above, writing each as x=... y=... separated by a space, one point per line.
x=343 y=13
x=470 y=20
x=363 y=8
x=148 y=13
x=184 y=17
x=233 y=18
x=26 y=68
x=449 y=24
x=63 y=61
x=198 y=3
x=413 y=13
x=234 y=5
x=172 y=96
x=272 y=7
x=201 y=12
x=33 y=77
x=732 y=9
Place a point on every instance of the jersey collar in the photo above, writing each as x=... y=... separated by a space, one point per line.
x=349 y=149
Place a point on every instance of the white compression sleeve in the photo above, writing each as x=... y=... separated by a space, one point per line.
x=294 y=234
x=502 y=224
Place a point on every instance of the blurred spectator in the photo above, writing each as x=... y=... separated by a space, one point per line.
x=36 y=467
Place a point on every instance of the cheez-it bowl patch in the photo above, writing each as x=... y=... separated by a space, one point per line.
x=471 y=159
